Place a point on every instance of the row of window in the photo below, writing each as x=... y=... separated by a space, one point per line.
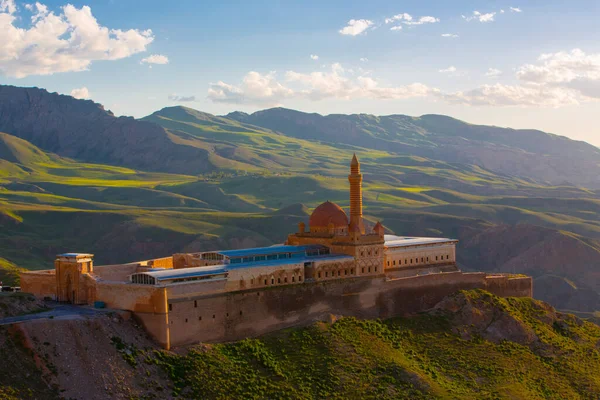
x=279 y=280
x=214 y=316
x=375 y=253
x=416 y=260
x=332 y=274
x=343 y=272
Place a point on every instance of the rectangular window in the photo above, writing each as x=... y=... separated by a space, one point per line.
x=195 y=303
x=319 y=274
x=265 y=281
x=363 y=270
x=170 y=307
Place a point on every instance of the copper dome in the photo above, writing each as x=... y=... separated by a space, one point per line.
x=327 y=213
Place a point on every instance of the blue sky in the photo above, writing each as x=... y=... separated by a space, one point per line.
x=525 y=64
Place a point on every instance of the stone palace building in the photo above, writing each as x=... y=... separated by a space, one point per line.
x=335 y=265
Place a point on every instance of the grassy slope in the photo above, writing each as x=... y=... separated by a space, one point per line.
x=417 y=357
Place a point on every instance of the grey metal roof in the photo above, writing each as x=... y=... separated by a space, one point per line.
x=401 y=241
x=169 y=274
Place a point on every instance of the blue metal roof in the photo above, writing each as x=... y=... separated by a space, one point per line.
x=286 y=261
x=263 y=251
x=75 y=255
x=170 y=274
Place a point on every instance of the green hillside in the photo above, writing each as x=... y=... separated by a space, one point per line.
x=475 y=345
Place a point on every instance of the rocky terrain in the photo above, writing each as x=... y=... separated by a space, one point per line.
x=471 y=345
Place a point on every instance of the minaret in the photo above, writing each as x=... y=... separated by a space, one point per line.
x=355 y=179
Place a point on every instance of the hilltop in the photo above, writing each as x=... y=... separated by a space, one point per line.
x=471 y=345
x=84 y=130
x=529 y=154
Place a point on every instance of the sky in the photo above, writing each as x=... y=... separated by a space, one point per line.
x=520 y=64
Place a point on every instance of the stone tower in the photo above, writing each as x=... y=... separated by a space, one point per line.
x=71 y=269
x=355 y=178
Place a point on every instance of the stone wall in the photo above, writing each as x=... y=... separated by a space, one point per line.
x=410 y=256
x=149 y=304
x=39 y=283
x=233 y=316
x=115 y=273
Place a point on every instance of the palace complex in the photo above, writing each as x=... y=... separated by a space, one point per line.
x=335 y=265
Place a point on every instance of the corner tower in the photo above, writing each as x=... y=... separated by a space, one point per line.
x=356 y=215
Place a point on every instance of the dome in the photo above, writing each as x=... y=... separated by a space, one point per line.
x=327 y=213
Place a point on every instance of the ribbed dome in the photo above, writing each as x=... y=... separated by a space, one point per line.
x=326 y=213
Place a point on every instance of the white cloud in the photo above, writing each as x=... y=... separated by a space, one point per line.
x=516 y=9
x=337 y=83
x=155 y=59
x=181 y=99
x=408 y=19
x=423 y=20
x=450 y=35
x=399 y=17
x=575 y=70
x=493 y=73
x=507 y=95
x=8 y=6
x=556 y=80
x=81 y=93
x=501 y=11
x=314 y=57
x=255 y=88
x=69 y=41
x=488 y=17
x=450 y=69
x=396 y=28
x=364 y=59
x=562 y=67
x=356 y=27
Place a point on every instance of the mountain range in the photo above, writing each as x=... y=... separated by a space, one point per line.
x=73 y=177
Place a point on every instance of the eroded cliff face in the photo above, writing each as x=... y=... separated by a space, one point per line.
x=83 y=130
x=565 y=266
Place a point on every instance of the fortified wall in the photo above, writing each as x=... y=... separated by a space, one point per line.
x=234 y=316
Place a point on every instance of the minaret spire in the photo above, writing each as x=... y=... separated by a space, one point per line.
x=355 y=179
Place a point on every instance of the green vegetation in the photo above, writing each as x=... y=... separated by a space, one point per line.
x=417 y=357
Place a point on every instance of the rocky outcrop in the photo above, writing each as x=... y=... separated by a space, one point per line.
x=83 y=130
